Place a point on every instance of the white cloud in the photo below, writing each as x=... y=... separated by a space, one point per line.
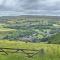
x=10 y=3
x=1 y=1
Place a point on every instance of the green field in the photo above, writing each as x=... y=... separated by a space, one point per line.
x=51 y=51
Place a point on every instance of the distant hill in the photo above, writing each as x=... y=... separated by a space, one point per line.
x=29 y=16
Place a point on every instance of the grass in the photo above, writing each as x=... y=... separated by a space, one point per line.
x=6 y=29
x=51 y=51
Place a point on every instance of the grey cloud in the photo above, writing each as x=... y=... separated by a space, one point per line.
x=41 y=7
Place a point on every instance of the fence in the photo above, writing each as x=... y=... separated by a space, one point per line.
x=29 y=52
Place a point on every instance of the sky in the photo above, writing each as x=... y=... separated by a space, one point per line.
x=29 y=7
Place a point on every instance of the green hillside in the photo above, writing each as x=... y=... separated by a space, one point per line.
x=50 y=51
x=32 y=33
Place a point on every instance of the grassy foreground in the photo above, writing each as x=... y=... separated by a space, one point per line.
x=51 y=51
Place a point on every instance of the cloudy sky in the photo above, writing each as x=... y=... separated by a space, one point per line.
x=30 y=7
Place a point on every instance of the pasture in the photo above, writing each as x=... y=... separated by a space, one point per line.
x=50 y=51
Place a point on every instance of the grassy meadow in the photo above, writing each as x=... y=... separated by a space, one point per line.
x=51 y=51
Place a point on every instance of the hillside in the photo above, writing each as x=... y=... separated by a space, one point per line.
x=50 y=51
x=34 y=37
